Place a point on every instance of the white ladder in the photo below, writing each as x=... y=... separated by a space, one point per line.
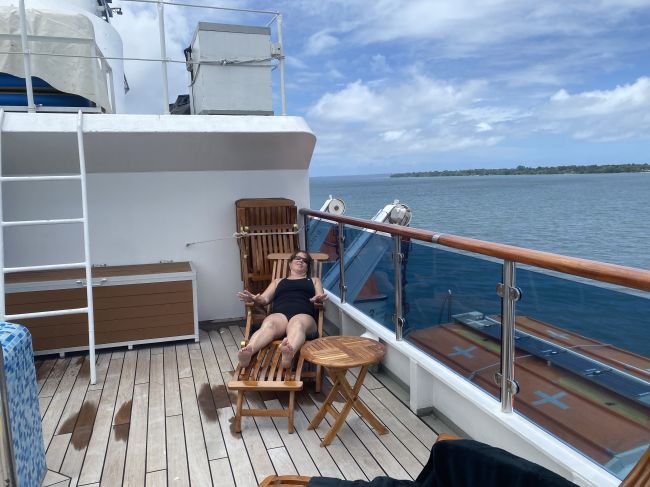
x=89 y=309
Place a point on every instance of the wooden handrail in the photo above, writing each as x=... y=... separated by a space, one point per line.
x=591 y=269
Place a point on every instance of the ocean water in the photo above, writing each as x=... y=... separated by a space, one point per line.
x=598 y=217
x=604 y=217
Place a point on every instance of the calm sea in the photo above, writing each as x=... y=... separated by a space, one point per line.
x=603 y=217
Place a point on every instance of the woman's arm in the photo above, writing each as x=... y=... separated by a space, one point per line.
x=261 y=299
x=320 y=295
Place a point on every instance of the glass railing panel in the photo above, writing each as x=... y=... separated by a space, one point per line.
x=583 y=366
x=370 y=275
x=322 y=236
x=453 y=312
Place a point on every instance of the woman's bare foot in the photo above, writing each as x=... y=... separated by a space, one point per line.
x=244 y=356
x=287 y=353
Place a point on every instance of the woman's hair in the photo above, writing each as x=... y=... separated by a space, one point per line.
x=309 y=259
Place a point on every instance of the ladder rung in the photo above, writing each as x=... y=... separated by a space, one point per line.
x=72 y=265
x=26 y=223
x=41 y=178
x=44 y=314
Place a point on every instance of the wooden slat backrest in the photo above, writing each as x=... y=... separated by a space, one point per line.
x=264 y=216
x=280 y=262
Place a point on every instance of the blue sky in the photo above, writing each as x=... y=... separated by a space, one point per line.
x=414 y=85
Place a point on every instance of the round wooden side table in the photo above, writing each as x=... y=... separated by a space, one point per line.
x=337 y=354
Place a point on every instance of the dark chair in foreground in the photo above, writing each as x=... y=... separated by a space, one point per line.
x=467 y=463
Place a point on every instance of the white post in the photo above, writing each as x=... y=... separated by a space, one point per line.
x=2 y=236
x=96 y=69
x=163 y=55
x=89 y=282
x=282 y=95
x=26 y=58
x=111 y=83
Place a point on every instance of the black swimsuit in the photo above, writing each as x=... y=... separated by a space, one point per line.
x=292 y=297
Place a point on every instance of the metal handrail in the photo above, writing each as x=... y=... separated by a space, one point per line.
x=611 y=273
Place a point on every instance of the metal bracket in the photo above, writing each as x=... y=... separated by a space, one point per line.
x=515 y=293
x=513 y=385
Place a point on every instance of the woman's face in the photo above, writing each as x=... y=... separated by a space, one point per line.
x=298 y=264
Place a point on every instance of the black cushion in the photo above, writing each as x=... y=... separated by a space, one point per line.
x=464 y=463
x=468 y=463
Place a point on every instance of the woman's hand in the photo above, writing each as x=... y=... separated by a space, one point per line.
x=319 y=298
x=247 y=296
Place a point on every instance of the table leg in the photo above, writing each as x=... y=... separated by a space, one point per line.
x=326 y=405
x=358 y=404
x=340 y=383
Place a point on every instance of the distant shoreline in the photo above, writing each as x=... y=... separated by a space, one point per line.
x=523 y=170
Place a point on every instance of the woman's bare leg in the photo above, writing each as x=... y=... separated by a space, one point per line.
x=273 y=327
x=297 y=329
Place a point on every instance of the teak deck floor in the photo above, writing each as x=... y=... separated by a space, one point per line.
x=162 y=416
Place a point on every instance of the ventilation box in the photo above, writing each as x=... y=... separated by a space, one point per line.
x=231 y=70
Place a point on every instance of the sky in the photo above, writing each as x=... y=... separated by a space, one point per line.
x=415 y=85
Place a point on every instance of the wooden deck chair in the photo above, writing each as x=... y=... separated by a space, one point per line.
x=264 y=372
x=264 y=226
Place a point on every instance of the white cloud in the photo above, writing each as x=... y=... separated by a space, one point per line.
x=407 y=104
x=320 y=42
x=602 y=115
x=380 y=121
x=378 y=64
x=483 y=127
x=138 y=28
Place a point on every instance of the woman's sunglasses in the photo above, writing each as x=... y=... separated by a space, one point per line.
x=306 y=260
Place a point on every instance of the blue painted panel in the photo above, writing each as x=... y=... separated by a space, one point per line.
x=24 y=414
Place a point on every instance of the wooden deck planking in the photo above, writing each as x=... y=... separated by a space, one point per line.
x=294 y=445
x=197 y=455
x=43 y=372
x=414 y=424
x=56 y=451
x=56 y=407
x=91 y=471
x=161 y=416
x=83 y=429
x=103 y=361
x=156 y=479
x=134 y=468
x=215 y=446
x=156 y=442
x=172 y=392
x=282 y=461
x=220 y=350
x=221 y=470
x=177 y=473
x=183 y=359
x=362 y=456
x=52 y=382
x=242 y=469
x=144 y=361
x=407 y=439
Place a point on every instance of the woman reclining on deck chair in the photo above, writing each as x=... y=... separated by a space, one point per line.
x=293 y=315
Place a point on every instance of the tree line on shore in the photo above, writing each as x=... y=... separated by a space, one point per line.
x=519 y=170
